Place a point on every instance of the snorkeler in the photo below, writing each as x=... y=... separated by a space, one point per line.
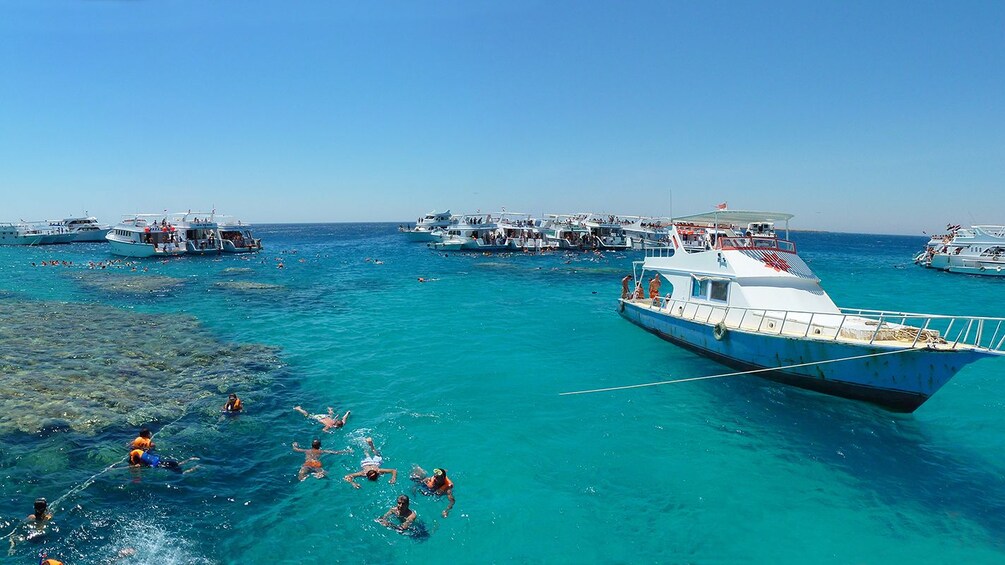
x=42 y=513
x=140 y=458
x=329 y=420
x=312 y=459
x=371 y=467
x=402 y=512
x=34 y=524
x=436 y=485
x=44 y=559
x=143 y=441
x=233 y=404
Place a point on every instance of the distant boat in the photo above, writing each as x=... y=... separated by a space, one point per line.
x=84 y=229
x=426 y=225
x=33 y=233
x=741 y=295
x=977 y=250
x=237 y=236
x=146 y=235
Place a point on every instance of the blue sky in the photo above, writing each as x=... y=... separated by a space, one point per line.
x=881 y=117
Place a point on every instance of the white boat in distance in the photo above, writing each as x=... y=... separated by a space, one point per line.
x=426 y=225
x=146 y=235
x=237 y=236
x=977 y=250
x=33 y=233
x=741 y=295
x=84 y=229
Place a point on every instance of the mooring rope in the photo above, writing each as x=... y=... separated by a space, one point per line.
x=90 y=480
x=738 y=373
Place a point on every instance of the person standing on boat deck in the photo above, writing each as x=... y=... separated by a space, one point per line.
x=624 y=286
x=312 y=459
x=329 y=420
x=654 y=288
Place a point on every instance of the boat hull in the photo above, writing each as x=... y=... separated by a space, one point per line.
x=91 y=236
x=134 y=249
x=900 y=382
x=420 y=236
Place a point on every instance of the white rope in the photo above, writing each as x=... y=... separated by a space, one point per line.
x=609 y=389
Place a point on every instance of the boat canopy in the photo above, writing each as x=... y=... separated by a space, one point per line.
x=737 y=217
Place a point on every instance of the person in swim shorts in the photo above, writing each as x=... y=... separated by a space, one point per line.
x=438 y=485
x=371 y=467
x=312 y=459
x=141 y=458
x=329 y=420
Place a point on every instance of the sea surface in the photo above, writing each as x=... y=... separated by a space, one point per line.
x=464 y=372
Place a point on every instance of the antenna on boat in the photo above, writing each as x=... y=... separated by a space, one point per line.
x=670 y=194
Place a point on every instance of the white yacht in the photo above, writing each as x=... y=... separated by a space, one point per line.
x=199 y=231
x=20 y=233
x=977 y=250
x=146 y=235
x=424 y=228
x=237 y=236
x=472 y=233
x=84 y=229
x=741 y=295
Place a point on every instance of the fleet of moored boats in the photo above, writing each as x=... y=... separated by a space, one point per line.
x=142 y=235
x=725 y=285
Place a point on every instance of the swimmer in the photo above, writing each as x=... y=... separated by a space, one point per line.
x=312 y=459
x=142 y=441
x=437 y=485
x=402 y=512
x=233 y=404
x=371 y=467
x=329 y=420
x=141 y=458
x=41 y=513
x=44 y=559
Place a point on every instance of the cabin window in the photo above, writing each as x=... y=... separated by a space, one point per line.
x=710 y=289
x=718 y=290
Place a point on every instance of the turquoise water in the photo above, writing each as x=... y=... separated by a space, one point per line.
x=463 y=372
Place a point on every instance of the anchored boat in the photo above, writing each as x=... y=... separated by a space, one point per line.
x=977 y=250
x=741 y=295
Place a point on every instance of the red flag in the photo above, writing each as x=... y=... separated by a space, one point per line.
x=720 y=206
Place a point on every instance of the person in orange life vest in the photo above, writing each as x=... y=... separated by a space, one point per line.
x=438 y=484
x=44 y=559
x=142 y=441
x=233 y=404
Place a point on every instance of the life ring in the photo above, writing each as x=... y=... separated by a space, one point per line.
x=719 y=331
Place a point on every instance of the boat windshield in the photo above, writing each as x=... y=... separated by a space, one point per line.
x=757 y=243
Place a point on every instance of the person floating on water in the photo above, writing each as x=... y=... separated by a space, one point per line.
x=141 y=458
x=371 y=467
x=44 y=559
x=142 y=441
x=233 y=404
x=35 y=524
x=436 y=485
x=627 y=280
x=402 y=513
x=329 y=420
x=312 y=459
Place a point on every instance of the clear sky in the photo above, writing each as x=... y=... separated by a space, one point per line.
x=868 y=116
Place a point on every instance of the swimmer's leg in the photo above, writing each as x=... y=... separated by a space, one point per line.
x=346 y=417
x=302 y=411
x=303 y=472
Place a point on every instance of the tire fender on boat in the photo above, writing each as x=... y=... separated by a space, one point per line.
x=719 y=331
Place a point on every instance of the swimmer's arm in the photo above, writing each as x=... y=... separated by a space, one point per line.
x=331 y=412
x=339 y=452
x=394 y=474
x=349 y=478
x=450 y=497
x=298 y=448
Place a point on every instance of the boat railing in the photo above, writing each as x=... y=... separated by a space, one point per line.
x=853 y=325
